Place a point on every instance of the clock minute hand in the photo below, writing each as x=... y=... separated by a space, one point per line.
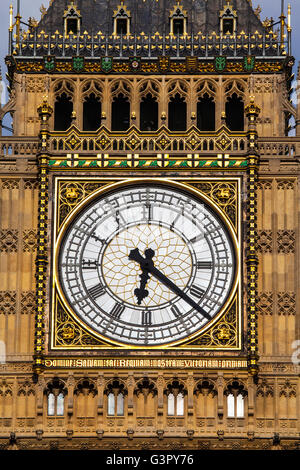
x=148 y=265
x=170 y=284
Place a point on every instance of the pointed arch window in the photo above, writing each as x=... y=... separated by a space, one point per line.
x=115 y=398
x=149 y=113
x=177 y=113
x=235 y=115
x=235 y=400
x=228 y=19
x=178 y=20
x=175 y=399
x=51 y=404
x=63 y=109
x=121 y=18
x=120 y=404
x=180 y=404
x=120 y=120
x=206 y=113
x=72 y=19
x=111 y=404
x=55 y=404
x=235 y=406
x=91 y=112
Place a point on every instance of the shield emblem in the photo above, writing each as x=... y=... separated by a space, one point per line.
x=164 y=63
x=135 y=63
x=220 y=63
x=249 y=63
x=106 y=64
x=191 y=64
x=49 y=63
x=78 y=64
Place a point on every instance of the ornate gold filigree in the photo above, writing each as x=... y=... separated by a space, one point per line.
x=70 y=194
x=69 y=333
x=224 y=334
x=224 y=195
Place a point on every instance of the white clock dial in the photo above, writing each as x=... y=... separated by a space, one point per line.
x=146 y=265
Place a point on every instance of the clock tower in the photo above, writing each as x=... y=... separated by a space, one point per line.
x=150 y=234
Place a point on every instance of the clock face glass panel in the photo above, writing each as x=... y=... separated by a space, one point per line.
x=146 y=265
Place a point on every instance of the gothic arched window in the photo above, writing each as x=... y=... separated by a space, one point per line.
x=178 y=20
x=55 y=393
x=175 y=399
x=206 y=113
x=115 y=398
x=63 y=109
x=234 y=111
x=121 y=19
x=72 y=20
x=91 y=113
x=228 y=20
x=51 y=404
x=148 y=113
x=120 y=113
x=177 y=113
x=235 y=400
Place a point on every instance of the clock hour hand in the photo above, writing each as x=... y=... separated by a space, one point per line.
x=140 y=292
x=148 y=265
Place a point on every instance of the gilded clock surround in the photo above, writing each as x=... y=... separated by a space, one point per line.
x=71 y=195
x=255 y=63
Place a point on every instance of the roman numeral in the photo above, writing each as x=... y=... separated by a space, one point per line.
x=95 y=237
x=146 y=318
x=117 y=310
x=96 y=291
x=204 y=265
x=175 y=310
x=89 y=264
x=197 y=292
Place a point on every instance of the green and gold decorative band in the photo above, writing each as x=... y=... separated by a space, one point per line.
x=141 y=162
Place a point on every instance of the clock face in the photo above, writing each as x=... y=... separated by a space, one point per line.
x=146 y=265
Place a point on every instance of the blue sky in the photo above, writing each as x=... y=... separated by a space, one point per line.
x=270 y=8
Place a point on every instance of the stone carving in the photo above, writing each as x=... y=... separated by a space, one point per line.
x=29 y=240
x=264 y=241
x=265 y=303
x=8 y=240
x=8 y=302
x=286 y=303
x=286 y=241
x=28 y=302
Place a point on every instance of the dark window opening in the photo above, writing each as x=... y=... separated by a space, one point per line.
x=206 y=111
x=91 y=113
x=235 y=113
x=177 y=113
x=149 y=114
x=122 y=26
x=227 y=26
x=72 y=25
x=63 y=109
x=178 y=26
x=120 y=113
